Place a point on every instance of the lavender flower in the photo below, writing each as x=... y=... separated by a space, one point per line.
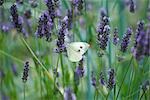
x=61 y=36
x=111 y=79
x=132 y=6
x=25 y=72
x=80 y=69
x=45 y=26
x=69 y=95
x=70 y=19
x=93 y=79
x=115 y=36
x=125 y=40
x=1 y=2
x=141 y=45
x=147 y=41
x=51 y=9
x=103 y=30
x=102 y=79
x=77 y=4
x=79 y=72
x=14 y=69
x=15 y=18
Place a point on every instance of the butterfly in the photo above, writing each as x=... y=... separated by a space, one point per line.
x=75 y=50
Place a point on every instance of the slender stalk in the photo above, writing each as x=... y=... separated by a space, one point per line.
x=24 y=95
x=124 y=77
x=142 y=95
x=62 y=68
x=132 y=74
x=56 y=72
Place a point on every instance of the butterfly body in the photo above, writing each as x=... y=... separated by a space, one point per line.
x=75 y=50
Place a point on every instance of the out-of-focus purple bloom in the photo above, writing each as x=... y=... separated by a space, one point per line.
x=147 y=41
x=126 y=39
x=25 y=72
x=14 y=69
x=19 y=1
x=103 y=13
x=69 y=95
x=141 y=45
x=79 y=72
x=77 y=4
x=1 y=2
x=101 y=79
x=4 y=97
x=115 y=36
x=93 y=81
x=80 y=69
x=5 y=27
x=132 y=6
x=2 y=74
x=111 y=79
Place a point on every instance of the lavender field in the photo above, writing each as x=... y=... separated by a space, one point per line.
x=74 y=49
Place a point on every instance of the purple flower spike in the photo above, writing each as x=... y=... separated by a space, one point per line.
x=141 y=45
x=25 y=72
x=69 y=95
x=17 y=22
x=93 y=81
x=102 y=80
x=125 y=40
x=132 y=6
x=44 y=26
x=115 y=36
x=111 y=79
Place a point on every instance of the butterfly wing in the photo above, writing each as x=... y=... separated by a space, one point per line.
x=80 y=47
x=73 y=56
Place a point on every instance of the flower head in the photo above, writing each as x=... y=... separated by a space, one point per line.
x=132 y=6
x=111 y=79
x=25 y=72
x=115 y=36
x=125 y=40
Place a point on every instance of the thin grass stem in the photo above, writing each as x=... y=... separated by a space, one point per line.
x=124 y=77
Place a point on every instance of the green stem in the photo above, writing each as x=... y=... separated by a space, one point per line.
x=62 y=68
x=132 y=73
x=124 y=77
x=24 y=91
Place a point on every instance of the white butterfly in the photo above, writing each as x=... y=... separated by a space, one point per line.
x=75 y=50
